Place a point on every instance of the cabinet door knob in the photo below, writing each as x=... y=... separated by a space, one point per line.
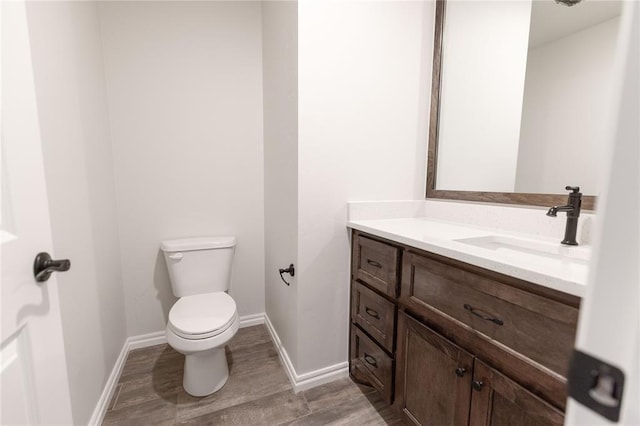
x=460 y=371
x=477 y=385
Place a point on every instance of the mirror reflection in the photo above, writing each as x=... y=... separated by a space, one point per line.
x=523 y=94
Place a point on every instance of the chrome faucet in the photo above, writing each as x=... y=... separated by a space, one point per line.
x=573 y=213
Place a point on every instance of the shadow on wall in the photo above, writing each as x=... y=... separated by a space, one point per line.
x=163 y=285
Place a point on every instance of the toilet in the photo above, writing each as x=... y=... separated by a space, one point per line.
x=204 y=318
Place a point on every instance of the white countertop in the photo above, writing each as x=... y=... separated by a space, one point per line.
x=440 y=237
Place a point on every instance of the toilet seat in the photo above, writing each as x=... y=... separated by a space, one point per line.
x=202 y=316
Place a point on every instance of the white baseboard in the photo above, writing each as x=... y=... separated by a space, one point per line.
x=251 y=320
x=146 y=340
x=109 y=387
x=284 y=357
x=308 y=380
x=139 y=342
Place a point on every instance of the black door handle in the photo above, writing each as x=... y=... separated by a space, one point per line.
x=44 y=266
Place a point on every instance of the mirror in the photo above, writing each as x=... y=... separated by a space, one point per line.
x=519 y=96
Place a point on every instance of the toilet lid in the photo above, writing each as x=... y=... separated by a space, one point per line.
x=202 y=314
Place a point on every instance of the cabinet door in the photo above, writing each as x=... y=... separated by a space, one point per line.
x=433 y=376
x=499 y=401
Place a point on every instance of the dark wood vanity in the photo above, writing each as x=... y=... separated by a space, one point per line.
x=448 y=343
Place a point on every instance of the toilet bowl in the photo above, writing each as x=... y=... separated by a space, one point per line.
x=201 y=322
x=199 y=327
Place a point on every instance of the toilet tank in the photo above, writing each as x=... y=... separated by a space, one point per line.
x=199 y=265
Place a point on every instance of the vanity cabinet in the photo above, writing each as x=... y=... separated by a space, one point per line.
x=438 y=383
x=524 y=330
x=450 y=343
x=374 y=285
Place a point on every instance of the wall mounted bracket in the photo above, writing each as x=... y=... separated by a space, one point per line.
x=290 y=270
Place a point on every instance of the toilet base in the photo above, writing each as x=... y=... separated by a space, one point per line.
x=205 y=372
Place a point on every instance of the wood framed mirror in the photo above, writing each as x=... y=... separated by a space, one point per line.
x=518 y=100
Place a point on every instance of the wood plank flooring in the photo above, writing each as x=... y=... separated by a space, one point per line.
x=257 y=393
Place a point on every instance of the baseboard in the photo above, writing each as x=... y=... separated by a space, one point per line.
x=146 y=340
x=139 y=342
x=282 y=352
x=321 y=376
x=109 y=387
x=251 y=320
x=308 y=380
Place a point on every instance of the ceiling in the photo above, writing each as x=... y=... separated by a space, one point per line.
x=551 y=21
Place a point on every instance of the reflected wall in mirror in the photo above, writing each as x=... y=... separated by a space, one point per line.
x=519 y=98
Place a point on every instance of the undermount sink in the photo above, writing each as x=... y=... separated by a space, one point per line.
x=528 y=248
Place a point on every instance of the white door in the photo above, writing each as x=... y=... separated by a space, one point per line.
x=34 y=388
x=609 y=324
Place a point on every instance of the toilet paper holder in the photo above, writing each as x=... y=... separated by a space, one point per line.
x=290 y=270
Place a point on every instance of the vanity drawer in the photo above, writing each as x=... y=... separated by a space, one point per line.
x=376 y=263
x=370 y=362
x=537 y=327
x=375 y=314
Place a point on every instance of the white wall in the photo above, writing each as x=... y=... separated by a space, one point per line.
x=184 y=84
x=70 y=89
x=364 y=78
x=566 y=96
x=483 y=72
x=280 y=110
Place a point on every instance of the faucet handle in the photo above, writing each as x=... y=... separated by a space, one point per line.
x=573 y=189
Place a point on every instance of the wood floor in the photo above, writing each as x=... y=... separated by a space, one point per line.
x=257 y=393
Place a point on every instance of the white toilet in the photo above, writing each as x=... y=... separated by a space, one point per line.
x=205 y=317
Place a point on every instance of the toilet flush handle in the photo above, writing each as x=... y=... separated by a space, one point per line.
x=175 y=256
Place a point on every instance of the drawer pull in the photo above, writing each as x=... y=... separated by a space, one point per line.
x=374 y=263
x=371 y=360
x=479 y=313
x=460 y=371
x=372 y=312
x=477 y=385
